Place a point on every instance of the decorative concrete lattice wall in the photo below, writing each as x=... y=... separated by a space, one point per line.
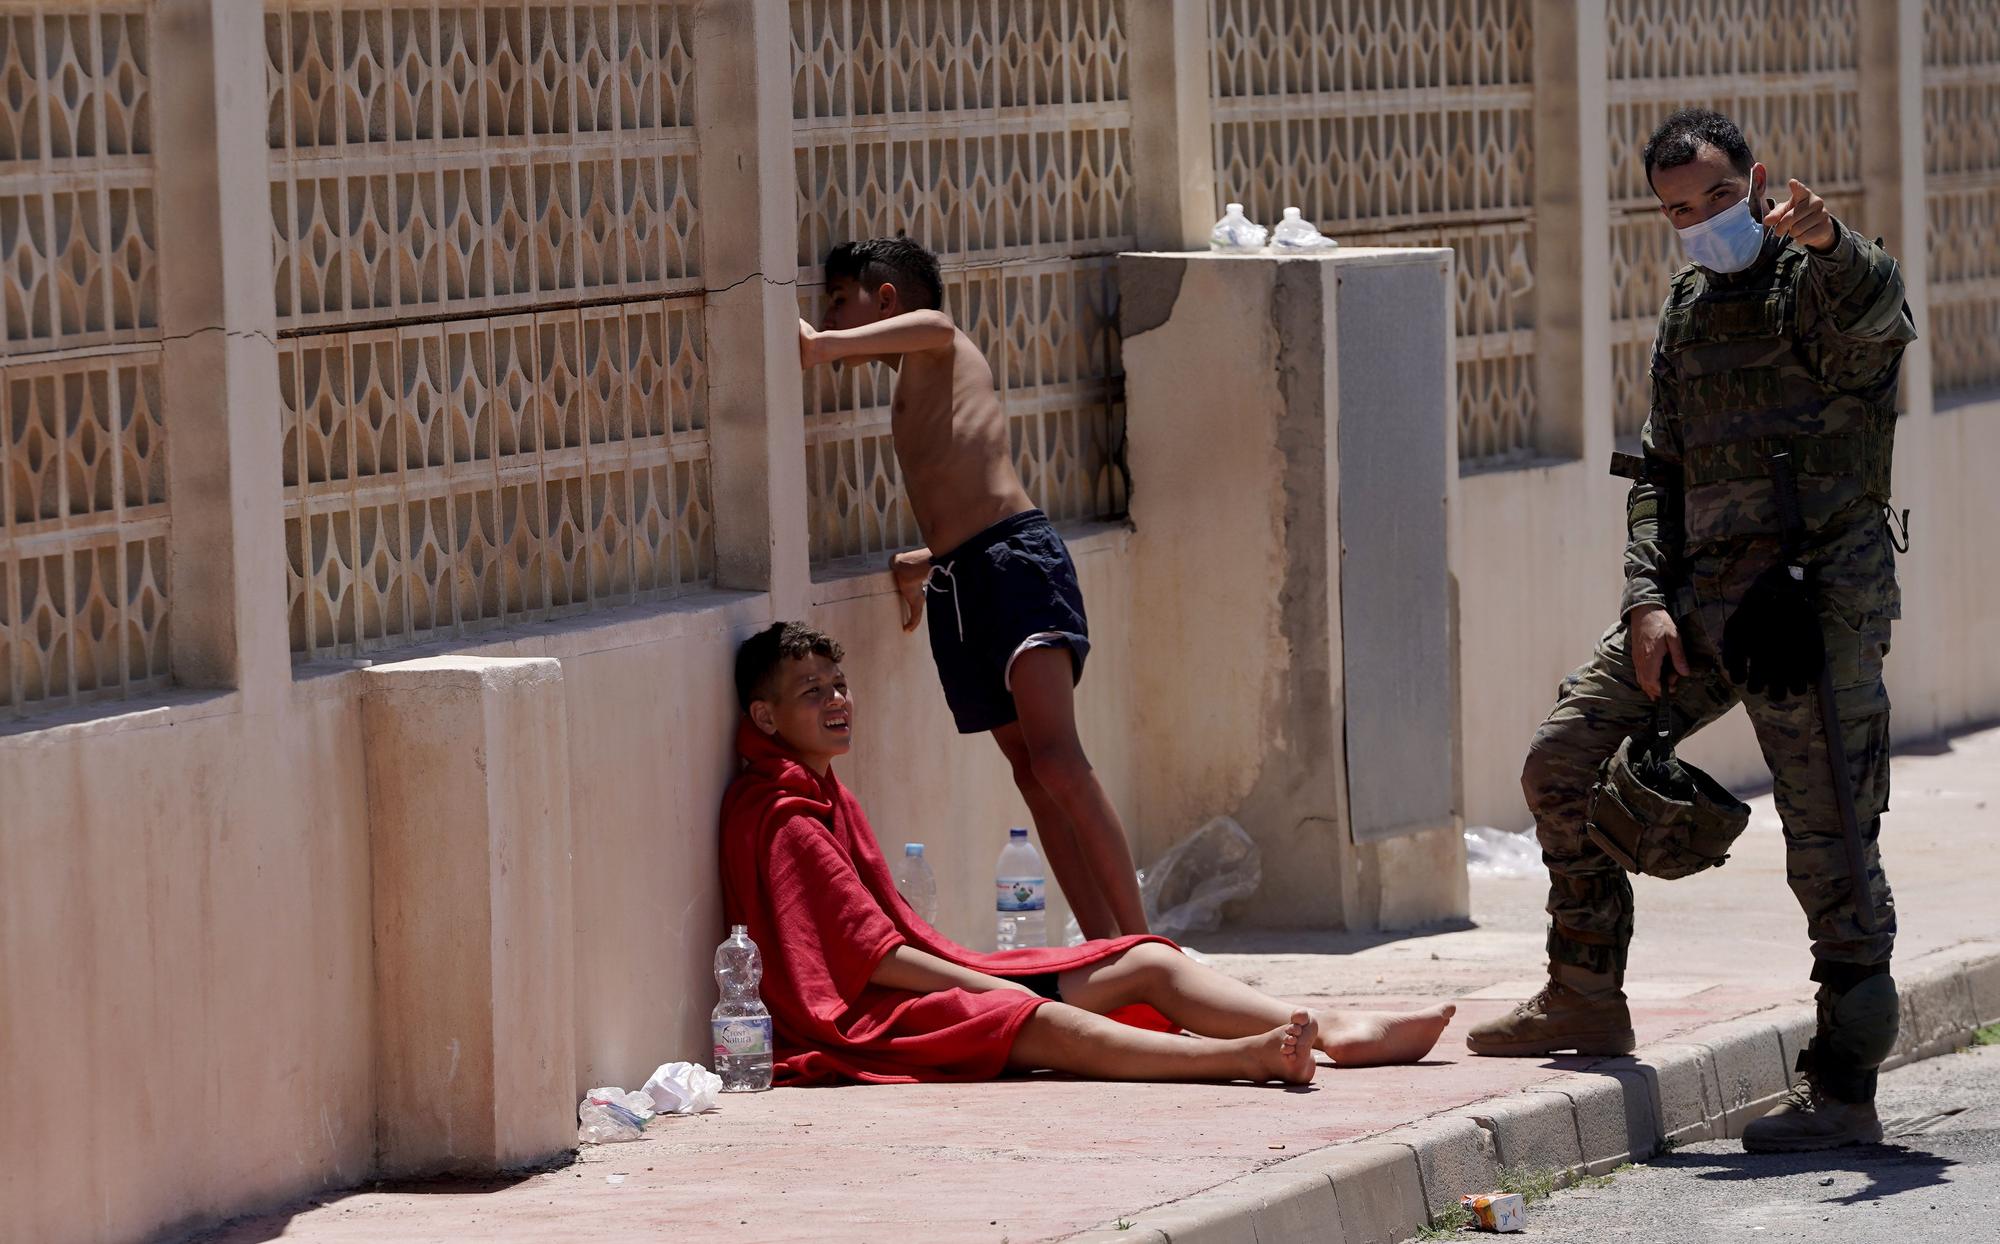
x=1787 y=71
x=997 y=133
x=83 y=495
x=1399 y=123
x=488 y=283
x=1962 y=186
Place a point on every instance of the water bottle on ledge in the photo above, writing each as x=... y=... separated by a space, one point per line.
x=1020 y=895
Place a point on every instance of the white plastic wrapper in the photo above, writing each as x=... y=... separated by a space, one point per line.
x=683 y=1088
x=1491 y=852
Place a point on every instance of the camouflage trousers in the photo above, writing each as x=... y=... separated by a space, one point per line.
x=1590 y=897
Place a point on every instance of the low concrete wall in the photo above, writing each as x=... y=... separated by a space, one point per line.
x=185 y=965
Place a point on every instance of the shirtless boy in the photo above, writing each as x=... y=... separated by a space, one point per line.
x=861 y=988
x=1007 y=626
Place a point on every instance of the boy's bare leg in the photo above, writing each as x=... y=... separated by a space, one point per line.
x=1086 y=902
x=1044 y=686
x=1066 y=1038
x=1203 y=1000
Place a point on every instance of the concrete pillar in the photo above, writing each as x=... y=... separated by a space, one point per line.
x=469 y=834
x=1173 y=137
x=749 y=262
x=1298 y=567
x=1891 y=43
x=220 y=371
x=1573 y=390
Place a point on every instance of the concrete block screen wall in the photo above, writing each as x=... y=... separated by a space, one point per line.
x=443 y=328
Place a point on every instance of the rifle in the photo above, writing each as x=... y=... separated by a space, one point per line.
x=1786 y=484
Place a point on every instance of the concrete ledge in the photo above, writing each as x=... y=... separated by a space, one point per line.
x=1688 y=1093
x=1454 y=1156
x=1939 y=1014
x=1703 y=1085
x=1614 y=1121
x=1751 y=1071
x=1532 y=1131
x=1378 y=1189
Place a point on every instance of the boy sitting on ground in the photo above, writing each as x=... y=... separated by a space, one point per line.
x=1007 y=626
x=861 y=988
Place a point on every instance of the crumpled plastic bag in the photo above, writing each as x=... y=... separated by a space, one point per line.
x=606 y=1115
x=683 y=1088
x=1491 y=852
x=1186 y=889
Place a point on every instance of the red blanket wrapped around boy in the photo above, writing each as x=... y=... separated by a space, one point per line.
x=802 y=869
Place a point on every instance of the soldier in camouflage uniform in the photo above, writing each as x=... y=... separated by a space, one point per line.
x=1785 y=334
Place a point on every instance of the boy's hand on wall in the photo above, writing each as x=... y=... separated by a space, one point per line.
x=910 y=569
x=808 y=346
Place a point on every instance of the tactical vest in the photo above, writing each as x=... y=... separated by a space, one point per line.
x=1743 y=387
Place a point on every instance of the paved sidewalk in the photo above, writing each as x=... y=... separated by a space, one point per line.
x=1045 y=1158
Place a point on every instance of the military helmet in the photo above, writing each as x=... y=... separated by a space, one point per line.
x=1656 y=814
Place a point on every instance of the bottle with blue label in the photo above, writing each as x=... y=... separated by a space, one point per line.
x=1020 y=899
x=740 y=1024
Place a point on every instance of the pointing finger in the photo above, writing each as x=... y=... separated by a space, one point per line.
x=1799 y=192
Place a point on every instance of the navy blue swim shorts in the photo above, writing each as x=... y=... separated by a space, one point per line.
x=1010 y=588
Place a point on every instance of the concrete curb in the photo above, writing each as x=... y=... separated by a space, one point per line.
x=1702 y=1086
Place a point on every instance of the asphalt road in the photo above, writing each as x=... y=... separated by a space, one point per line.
x=1935 y=1178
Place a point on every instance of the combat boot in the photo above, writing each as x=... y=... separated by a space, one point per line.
x=1811 y=1118
x=1577 y=1010
x=1833 y=1103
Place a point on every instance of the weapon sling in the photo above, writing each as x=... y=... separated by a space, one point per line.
x=1785 y=483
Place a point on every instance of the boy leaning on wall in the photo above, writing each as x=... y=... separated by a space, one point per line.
x=861 y=988
x=1007 y=624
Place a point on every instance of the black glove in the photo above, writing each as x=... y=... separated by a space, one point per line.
x=1772 y=643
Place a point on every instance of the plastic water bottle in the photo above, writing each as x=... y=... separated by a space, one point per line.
x=1295 y=233
x=917 y=883
x=1237 y=234
x=1020 y=894
x=740 y=1024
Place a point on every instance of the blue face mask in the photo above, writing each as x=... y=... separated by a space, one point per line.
x=1728 y=241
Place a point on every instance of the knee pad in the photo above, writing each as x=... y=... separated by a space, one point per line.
x=1859 y=1028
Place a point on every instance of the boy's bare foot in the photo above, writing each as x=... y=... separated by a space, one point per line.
x=1376 y=1038
x=1286 y=1053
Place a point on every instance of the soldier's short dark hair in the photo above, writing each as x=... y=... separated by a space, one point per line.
x=896 y=261
x=1680 y=137
x=758 y=659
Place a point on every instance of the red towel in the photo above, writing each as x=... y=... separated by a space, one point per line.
x=801 y=868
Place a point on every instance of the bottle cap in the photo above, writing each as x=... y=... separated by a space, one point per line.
x=1291 y=213
x=914 y=848
x=736 y=929
x=1017 y=833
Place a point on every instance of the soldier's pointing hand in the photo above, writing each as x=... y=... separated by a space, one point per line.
x=1804 y=216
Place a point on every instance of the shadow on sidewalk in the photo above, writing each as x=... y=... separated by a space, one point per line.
x=272 y=1225
x=1891 y=1170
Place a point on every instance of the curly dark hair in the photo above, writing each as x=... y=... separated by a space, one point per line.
x=1680 y=137
x=896 y=261
x=761 y=654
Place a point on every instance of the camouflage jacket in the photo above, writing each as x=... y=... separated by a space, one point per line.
x=1799 y=351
